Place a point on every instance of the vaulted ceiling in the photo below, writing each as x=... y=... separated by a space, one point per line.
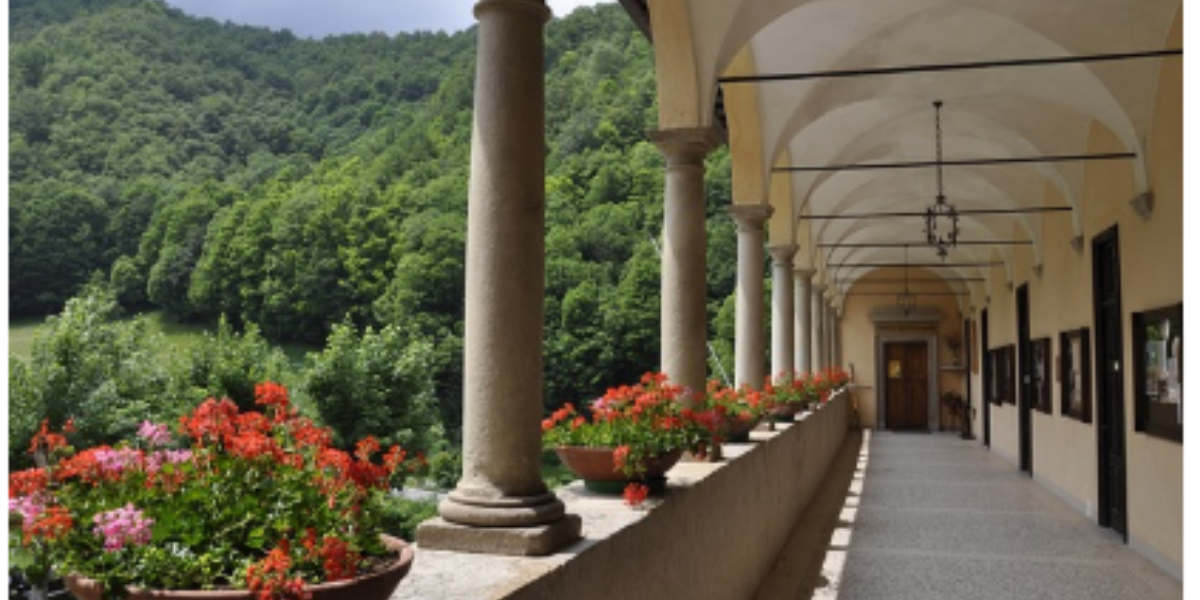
x=801 y=84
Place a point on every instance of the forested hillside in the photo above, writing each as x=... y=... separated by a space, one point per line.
x=210 y=169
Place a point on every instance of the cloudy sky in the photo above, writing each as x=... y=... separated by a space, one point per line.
x=318 y=18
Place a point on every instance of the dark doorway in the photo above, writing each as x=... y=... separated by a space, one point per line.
x=1025 y=389
x=967 y=423
x=906 y=367
x=985 y=402
x=1110 y=395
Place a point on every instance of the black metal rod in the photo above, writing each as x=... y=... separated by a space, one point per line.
x=962 y=66
x=925 y=243
x=890 y=280
x=910 y=293
x=915 y=265
x=962 y=212
x=962 y=162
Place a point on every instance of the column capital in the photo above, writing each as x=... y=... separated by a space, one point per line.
x=819 y=288
x=685 y=146
x=750 y=217
x=805 y=273
x=782 y=254
x=538 y=7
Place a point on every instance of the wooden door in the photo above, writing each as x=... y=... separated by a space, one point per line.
x=1024 y=387
x=986 y=400
x=1110 y=388
x=906 y=367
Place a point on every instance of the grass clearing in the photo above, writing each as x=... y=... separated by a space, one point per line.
x=181 y=336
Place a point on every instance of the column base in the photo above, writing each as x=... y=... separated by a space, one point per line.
x=539 y=540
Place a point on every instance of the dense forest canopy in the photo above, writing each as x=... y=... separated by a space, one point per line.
x=317 y=191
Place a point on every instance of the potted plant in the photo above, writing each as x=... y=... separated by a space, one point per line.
x=953 y=401
x=632 y=436
x=739 y=410
x=256 y=506
x=788 y=393
x=829 y=381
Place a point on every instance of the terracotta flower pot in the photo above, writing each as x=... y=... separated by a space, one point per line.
x=738 y=431
x=375 y=586
x=783 y=413
x=597 y=469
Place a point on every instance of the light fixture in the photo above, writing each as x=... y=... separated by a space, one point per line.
x=906 y=301
x=940 y=213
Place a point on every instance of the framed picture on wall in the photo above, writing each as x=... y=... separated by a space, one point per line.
x=991 y=384
x=1158 y=372
x=1040 y=375
x=1000 y=373
x=1008 y=363
x=1076 y=368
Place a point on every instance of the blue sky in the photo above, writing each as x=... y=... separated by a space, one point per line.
x=318 y=18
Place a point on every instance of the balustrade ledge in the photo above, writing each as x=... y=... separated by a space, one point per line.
x=714 y=533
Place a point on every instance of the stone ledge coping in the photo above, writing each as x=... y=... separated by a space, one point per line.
x=454 y=575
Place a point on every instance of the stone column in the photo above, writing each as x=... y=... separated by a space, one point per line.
x=835 y=337
x=748 y=338
x=684 y=312
x=748 y=341
x=501 y=505
x=803 y=358
x=827 y=334
x=818 y=326
x=782 y=306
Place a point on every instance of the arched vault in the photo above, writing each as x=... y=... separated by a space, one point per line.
x=803 y=90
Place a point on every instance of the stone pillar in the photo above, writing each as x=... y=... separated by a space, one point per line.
x=827 y=334
x=748 y=339
x=782 y=306
x=834 y=342
x=835 y=337
x=818 y=326
x=684 y=345
x=803 y=358
x=501 y=505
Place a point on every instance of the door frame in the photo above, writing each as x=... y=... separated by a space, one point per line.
x=1024 y=387
x=884 y=338
x=1109 y=400
x=985 y=402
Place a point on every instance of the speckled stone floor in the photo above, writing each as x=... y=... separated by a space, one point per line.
x=932 y=517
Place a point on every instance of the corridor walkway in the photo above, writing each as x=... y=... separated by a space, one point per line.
x=930 y=517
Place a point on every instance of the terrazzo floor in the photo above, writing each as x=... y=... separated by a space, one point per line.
x=932 y=517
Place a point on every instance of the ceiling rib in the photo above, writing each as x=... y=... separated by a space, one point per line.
x=966 y=162
x=915 y=265
x=973 y=211
x=889 y=280
x=922 y=243
x=961 y=66
x=918 y=293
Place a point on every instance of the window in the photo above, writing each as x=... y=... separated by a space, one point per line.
x=1158 y=372
x=1075 y=374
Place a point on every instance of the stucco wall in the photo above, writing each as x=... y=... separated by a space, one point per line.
x=1064 y=449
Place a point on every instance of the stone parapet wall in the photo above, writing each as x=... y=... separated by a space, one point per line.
x=713 y=535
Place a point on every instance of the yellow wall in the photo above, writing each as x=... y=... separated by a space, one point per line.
x=1064 y=449
x=1152 y=276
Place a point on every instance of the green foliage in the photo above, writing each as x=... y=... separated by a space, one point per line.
x=108 y=376
x=210 y=169
x=401 y=516
x=229 y=365
x=375 y=383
